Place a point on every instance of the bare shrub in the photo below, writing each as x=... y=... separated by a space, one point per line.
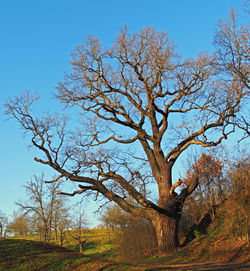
x=235 y=211
x=137 y=239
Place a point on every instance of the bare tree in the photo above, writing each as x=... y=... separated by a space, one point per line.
x=3 y=224
x=43 y=201
x=114 y=217
x=210 y=189
x=78 y=229
x=143 y=107
x=60 y=220
x=232 y=43
x=134 y=235
x=63 y=226
x=20 y=225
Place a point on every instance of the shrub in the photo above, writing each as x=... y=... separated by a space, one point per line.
x=137 y=239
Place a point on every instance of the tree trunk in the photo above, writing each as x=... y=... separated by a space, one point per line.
x=81 y=243
x=107 y=227
x=166 y=229
x=62 y=236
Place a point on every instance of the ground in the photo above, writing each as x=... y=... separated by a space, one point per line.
x=26 y=255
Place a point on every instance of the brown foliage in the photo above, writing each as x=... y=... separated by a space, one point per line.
x=210 y=190
x=208 y=168
x=137 y=239
x=236 y=211
x=20 y=225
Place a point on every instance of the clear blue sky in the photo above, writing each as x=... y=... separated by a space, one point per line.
x=37 y=37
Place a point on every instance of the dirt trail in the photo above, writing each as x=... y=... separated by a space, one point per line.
x=155 y=266
x=198 y=266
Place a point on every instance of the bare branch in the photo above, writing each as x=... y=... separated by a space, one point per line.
x=174 y=186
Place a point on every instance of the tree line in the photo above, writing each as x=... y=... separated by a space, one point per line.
x=45 y=214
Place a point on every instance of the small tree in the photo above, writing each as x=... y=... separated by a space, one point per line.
x=3 y=224
x=78 y=229
x=43 y=205
x=209 y=193
x=210 y=188
x=60 y=219
x=63 y=227
x=114 y=217
x=20 y=225
x=135 y=236
x=235 y=212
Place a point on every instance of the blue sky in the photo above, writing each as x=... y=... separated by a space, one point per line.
x=37 y=37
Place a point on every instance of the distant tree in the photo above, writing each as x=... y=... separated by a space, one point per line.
x=3 y=224
x=235 y=212
x=20 y=225
x=78 y=228
x=63 y=227
x=239 y=173
x=210 y=191
x=143 y=107
x=134 y=235
x=114 y=216
x=42 y=205
x=60 y=219
x=210 y=188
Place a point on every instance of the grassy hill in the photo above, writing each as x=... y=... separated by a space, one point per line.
x=222 y=247
x=26 y=255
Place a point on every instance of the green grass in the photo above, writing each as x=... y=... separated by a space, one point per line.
x=100 y=254
x=31 y=254
x=26 y=255
x=97 y=243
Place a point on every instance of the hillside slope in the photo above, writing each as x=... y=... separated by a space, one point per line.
x=25 y=255
x=223 y=245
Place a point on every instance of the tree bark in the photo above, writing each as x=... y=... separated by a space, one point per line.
x=166 y=232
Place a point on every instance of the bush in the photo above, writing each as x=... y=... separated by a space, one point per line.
x=137 y=239
x=235 y=212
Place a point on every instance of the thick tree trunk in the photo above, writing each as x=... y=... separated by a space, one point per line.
x=167 y=233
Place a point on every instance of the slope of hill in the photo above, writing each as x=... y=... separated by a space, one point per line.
x=25 y=255
x=224 y=245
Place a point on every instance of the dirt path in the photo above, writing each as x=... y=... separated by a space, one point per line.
x=155 y=266
x=163 y=265
x=203 y=266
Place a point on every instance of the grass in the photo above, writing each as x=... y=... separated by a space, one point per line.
x=97 y=243
x=30 y=255
x=100 y=254
x=27 y=255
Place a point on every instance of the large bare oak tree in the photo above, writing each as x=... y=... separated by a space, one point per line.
x=142 y=106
